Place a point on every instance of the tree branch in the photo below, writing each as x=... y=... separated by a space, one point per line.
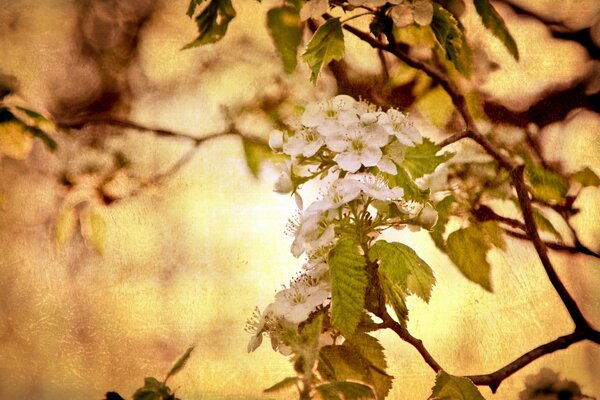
x=126 y=124
x=402 y=332
x=494 y=379
x=556 y=246
x=540 y=247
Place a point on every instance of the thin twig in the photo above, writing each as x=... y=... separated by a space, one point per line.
x=126 y=124
x=556 y=246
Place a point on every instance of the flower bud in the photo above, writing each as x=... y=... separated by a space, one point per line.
x=276 y=140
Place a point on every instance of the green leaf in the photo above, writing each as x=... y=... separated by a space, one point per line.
x=212 y=21
x=286 y=30
x=179 y=364
x=544 y=224
x=146 y=394
x=154 y=384
x=422 y=159
x=152 y=390
x=255 y=154
x=371 y=351
x=348 y=284
x=326 y=45
x=344 y=391
x=400 y=265
x=444 y=208
x=468 y=248
x=545 y=185
x=494 y=22
x=282 y=385
x=361 y=360
x=586 y=177
x=192 y=7
x=309 y=343
x=449 y=387
x=493 y=232
x=411 y=190
x=450 y=35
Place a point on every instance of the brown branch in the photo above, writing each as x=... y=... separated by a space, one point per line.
x=126 y=124
x=540 y=247
x=402 y=332
x=556 y=246
x=494 y=379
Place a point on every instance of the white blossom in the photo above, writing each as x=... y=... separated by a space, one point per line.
x=313 y=9
x=276 y=140
x=306 y=142
x=340 y=192
x=397 y=123
x=359 y=149
x=408 y=11
x=377 y=188
x=330 y=116
x=315 y=230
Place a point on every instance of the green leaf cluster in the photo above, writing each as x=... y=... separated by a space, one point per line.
x=360 y=358
x=401 y=272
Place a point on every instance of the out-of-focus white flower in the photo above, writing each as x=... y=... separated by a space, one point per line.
x=283 y=184
x=397 y=123
x=276 y=140
x=306 y=142
x=436 y=182
x=408 y=11
x=313 y=9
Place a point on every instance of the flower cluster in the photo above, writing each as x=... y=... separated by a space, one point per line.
x=353 y=151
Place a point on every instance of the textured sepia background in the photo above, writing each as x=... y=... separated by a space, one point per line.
x=185 y=262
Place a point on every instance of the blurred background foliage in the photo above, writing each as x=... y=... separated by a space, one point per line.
x=120 y=247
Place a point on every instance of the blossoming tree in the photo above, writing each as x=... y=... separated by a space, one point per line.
x=376 y=173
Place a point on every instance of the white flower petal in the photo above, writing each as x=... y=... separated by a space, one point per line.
x=276 y=140
x=402 y=15
x=387 y=165
x=423 y=12
x=348 y=161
